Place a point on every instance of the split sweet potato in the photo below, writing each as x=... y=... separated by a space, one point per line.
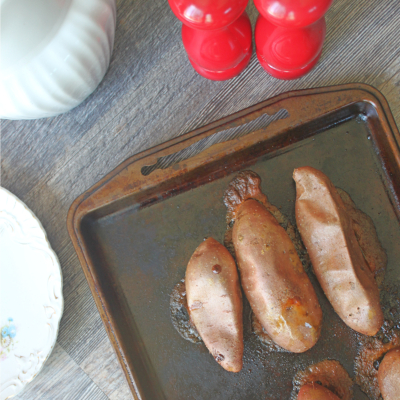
x=338 y=261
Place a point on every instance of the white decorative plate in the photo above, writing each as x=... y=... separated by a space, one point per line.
x=31 y=295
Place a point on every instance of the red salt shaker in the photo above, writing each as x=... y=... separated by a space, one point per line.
x=289 y=35
x=216 y=35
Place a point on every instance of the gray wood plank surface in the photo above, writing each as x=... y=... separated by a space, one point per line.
x=60 y=379
x=151 y=94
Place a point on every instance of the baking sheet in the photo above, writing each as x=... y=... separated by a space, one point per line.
x=135 y=248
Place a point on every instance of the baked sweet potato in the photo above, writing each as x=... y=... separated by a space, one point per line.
x=272 y=275
x=215 y=303
x=341 y=269
x=327 y=374
x=316 y=392
x=370 y=353
x=389 y=375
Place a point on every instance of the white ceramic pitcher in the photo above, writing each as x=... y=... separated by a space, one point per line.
x=54 y=53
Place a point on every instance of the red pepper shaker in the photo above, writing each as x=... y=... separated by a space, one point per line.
x=216 y=35
x=289 y=35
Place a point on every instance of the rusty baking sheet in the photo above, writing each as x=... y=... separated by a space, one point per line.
x=136 y=229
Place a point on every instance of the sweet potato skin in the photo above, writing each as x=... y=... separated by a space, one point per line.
x=327 y=232
x=329 y=374
x=389 y=375
x=273 y=279
x=215 y=303
x=316 y=392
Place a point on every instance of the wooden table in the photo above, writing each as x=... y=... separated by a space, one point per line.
x=151 y=94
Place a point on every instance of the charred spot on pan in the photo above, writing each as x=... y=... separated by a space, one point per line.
x=180 y=315
x=216 y=269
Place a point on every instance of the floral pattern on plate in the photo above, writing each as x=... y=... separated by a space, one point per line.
x=8 y=333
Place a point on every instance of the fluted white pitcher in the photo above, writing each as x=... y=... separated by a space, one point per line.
x=54 y=53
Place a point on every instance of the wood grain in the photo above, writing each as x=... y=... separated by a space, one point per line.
x=151 y=94
x=60 y=379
